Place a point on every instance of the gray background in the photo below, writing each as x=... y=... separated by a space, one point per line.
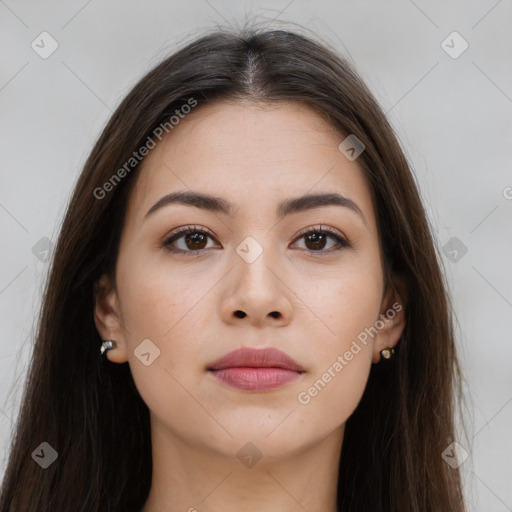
x=452 y=115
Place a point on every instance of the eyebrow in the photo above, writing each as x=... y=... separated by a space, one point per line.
x=288 y=207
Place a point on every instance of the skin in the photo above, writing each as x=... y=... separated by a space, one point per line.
x=254 y=156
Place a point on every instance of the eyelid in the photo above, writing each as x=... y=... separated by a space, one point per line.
x=188 y=228
x=323 y=228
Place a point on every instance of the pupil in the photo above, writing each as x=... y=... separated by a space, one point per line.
x=317 y=239
x=196 y=238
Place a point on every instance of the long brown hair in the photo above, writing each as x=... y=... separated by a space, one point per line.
x=89 y=409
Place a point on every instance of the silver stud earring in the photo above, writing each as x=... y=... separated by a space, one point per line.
x=107 y=345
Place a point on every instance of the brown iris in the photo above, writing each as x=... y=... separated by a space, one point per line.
x=318 y=240
x=197 y=241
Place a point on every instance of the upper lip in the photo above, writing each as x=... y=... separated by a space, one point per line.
x=256 y=358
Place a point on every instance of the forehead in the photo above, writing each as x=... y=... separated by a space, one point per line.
x=251 y=154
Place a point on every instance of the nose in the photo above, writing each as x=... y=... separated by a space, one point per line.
x=256 y=293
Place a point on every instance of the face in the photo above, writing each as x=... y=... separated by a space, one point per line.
x=256 y=271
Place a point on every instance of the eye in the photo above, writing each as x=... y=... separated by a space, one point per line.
x=192 y=239
x=316 y=240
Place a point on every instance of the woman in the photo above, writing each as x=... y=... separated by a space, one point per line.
x=246 y=308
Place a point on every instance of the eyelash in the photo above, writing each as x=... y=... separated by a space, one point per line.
x=180 y=232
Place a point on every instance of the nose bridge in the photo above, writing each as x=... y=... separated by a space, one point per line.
x=255 y=263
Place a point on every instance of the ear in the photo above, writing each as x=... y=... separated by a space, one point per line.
x=392 y=317
x=108 y=319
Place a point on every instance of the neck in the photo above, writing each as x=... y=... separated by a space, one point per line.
x=201 y=479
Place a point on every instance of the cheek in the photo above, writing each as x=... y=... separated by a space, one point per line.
x=328 y=400
x=158 y=299
x=336 y=383
x=343 y=302
x=347 y=303
x=167 y=307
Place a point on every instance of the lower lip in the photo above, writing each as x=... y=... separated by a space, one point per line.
x=255 y=379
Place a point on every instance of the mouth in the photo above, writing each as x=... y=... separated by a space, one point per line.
x=255 y=369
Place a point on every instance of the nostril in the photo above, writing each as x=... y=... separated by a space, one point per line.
x=275 y=314
x=239 y=314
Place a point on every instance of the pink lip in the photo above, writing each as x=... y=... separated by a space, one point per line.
x=256 y=369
